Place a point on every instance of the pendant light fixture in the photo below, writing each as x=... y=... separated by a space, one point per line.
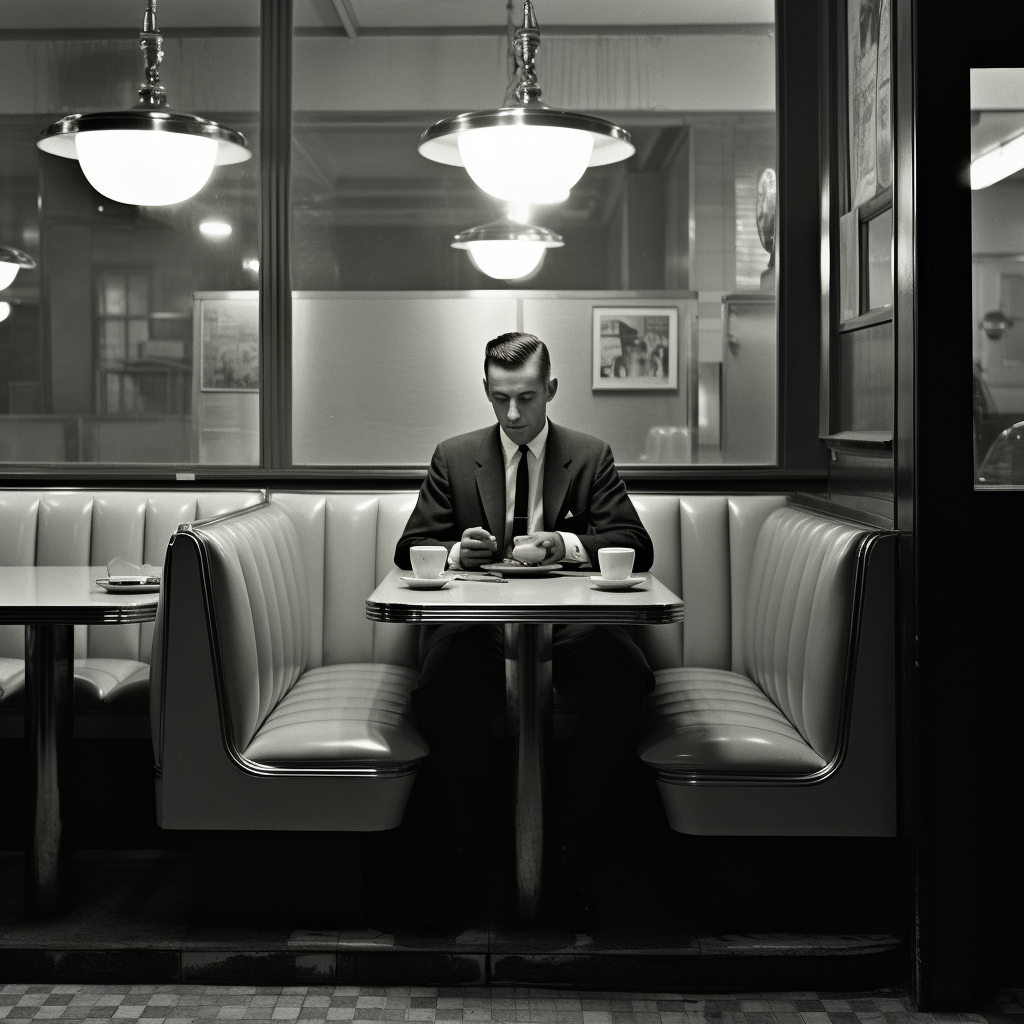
x=11 y=261
x=525 y=151
x=149 y=155
x=506 y=249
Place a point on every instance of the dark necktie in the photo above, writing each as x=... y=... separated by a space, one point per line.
x=521 y=514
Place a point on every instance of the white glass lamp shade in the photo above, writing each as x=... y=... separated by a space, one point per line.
x=506 y=260
x=145 y=168
x=526 y=163
x=5 y=310
x=8 y=272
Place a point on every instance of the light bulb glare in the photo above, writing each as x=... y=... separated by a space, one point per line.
x=215 y=229
x=251 y=264
x=5 y=310
x=144 y=167
x=8 y=272
x=526 y=163
x=506 y=260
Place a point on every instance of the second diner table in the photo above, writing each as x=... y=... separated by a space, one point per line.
x=528 y=607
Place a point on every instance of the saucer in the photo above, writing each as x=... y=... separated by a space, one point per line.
x=436 y=583
x=604 y=584
x=128 y=585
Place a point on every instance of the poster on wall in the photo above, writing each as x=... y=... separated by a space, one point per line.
x=635 y=348
x=229 y=344
x=869 y=94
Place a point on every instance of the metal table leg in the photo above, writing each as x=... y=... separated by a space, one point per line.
x=49 y=650
x=528 y=698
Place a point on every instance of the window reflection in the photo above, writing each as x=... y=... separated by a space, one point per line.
x=378 y=284
x=98 y=352
x=998 y=278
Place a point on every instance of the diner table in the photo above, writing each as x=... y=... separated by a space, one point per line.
x=49 y=601
x=528 y=607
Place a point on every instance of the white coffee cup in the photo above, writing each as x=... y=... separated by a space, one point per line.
x=616 y=563
x=428 y=560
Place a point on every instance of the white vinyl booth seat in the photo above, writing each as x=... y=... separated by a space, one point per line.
x=776 y=714
x=90 y=527
x=276 y=704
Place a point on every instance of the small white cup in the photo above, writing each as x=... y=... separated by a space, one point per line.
x=428 y=560
x=616 y=563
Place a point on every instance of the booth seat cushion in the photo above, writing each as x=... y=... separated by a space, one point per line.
x=703 y=718
x=342 y=713
x=111 y=679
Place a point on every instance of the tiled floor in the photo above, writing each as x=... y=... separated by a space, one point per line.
x=182 y=1004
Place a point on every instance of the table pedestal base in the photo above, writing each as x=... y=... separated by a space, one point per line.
x=49 y=650
x=528 y=697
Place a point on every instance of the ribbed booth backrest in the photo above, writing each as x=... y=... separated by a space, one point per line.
x=91 y=527
x=261 y=607
x=797 y=622
x=290 y=585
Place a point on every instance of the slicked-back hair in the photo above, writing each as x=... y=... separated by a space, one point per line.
x=514 y=350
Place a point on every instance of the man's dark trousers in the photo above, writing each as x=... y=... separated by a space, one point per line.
x=599 y=669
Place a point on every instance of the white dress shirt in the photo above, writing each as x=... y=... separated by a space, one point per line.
x=574 y=550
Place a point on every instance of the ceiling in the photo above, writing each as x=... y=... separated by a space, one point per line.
x=381 y=15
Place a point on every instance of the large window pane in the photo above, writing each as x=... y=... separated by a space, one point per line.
x=102 y=349
x=998 y=275
x=390 y=321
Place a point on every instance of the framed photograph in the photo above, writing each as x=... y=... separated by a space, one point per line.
x=229 y=342
x=635 y=348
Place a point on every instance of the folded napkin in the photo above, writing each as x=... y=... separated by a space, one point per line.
x=122 y=567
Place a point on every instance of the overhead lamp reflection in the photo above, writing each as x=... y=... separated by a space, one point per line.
x=251 y=264
x=5 y=310
x=215 y=228
x=505 y=249
x=11 y=261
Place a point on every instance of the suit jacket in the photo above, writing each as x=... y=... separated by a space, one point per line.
x=583 y=494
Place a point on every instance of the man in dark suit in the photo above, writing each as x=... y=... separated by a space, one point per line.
x=524 y=480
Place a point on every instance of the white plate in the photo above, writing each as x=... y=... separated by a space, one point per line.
x=497 y=569
x=602 y=584
x=437 y=583
x=117 y=586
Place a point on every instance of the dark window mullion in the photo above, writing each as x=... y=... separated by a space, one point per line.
x=275 y=262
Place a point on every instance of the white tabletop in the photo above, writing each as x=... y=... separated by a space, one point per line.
x=524 y=599
x=67 y=594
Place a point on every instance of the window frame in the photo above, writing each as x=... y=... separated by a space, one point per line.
x=801 y=460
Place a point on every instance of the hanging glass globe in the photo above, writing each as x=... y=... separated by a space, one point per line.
x=525 y=151
x=505 y=249
x=149 y=155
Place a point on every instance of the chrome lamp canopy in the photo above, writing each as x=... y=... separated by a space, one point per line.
x=525 y=151
x=149 y=155
x=505 y=249
x=11 y=261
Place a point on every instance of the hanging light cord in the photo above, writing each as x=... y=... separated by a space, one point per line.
x=151 y=42
x=523 y=89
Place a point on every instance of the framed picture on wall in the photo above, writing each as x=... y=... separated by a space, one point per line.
x=635 y=348
x=229 y=345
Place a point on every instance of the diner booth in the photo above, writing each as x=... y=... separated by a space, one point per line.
x=224 y=383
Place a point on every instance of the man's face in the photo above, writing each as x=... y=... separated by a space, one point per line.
x=520 y=398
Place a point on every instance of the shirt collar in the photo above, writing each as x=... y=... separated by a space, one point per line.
x=537 y=445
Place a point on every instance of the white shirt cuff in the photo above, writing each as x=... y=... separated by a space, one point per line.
x=453 y=555
x=574 y=550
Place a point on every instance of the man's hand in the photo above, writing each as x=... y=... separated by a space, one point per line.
x=478 y=548
x=552 y=541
